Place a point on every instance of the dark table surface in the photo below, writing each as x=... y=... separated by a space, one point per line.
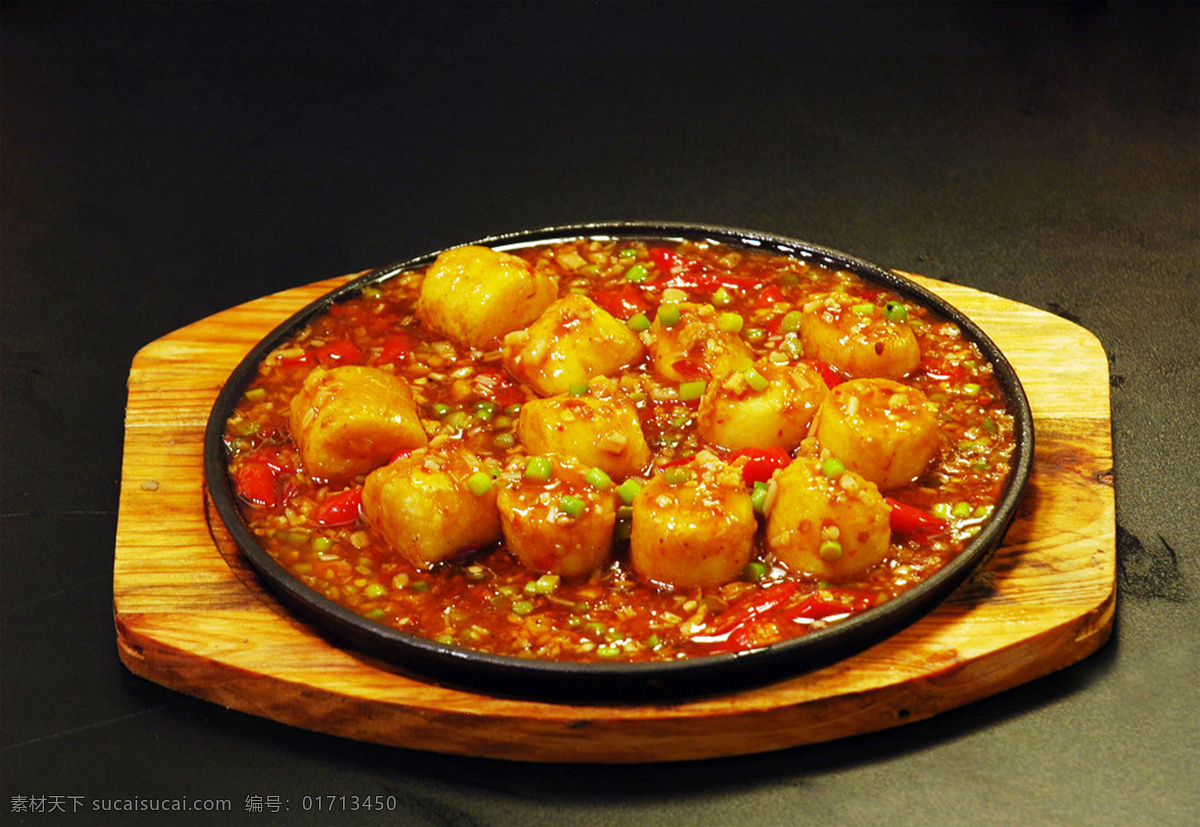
x=163 y=162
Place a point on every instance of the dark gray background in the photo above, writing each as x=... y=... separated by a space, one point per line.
x=162 y=162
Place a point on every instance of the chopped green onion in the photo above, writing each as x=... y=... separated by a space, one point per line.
x=754 y=334
x=375 y=590
x=577 y=388
x=692 y=390
x=255 y=394
x=730 y=322
x=972 y=389
x=676 y=475
x=480 y=483
x=440 y=410
x=504 y=441
x=830 y=551
x=608 y=652
x=623 y=530
x=895 y=312
x=755 y=380
x=485 y=410
x=758 y=497
x=833 y=468
x=628 y=252
x=721 y=297
x=754 y=571
x=792 y=347
x=791 y=322
x=653 y=642
x=668 y=314
x=571 y=506
x=598 y=479
x=322 y=544
x=546 y=584
x=628 y=490
x=539 y=468
x=864 y=309
x=961 y=510
x=459 y=419
x=638 y=322
x=522 y=607
x=637 y=274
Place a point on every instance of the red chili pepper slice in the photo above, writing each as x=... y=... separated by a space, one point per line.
x=841 y=601
x=401 y=454
x=341 y=509
x=338 y=353
x=913 y=522
x=622 y=302
x=257 y=484
x=768 y=296
x=832 y=377
x=395 y=347
x=761 y=463
x=688 y=274
x=753 y=606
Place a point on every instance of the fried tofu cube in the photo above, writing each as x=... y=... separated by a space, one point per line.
x=691 y=345
x=561 y=525
x=734 y=414
x=599 y=429
x=425 y=505
x=474 y=295
x=693 y=525
x=349 y=420
x=573 y=341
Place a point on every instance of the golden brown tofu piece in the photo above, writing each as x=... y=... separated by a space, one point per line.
x=599 y=429
x=349 y=420
x=561 y=525
x=694 y=347
x=831 y=527
x=885 y=431
x=693 y=525
x=857 y=338
x=734 y=414
x=573 y=341
x=475 y=295
x=426 y=507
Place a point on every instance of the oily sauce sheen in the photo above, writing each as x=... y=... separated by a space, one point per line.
x=660 y=536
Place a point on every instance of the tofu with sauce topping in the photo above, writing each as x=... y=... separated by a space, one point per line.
x=600 y=428
x=349 y=420
x=734 y=414
x=693 y=525
x=573 y=341
x=561 y=525
x=425 y=505
x=475 y=295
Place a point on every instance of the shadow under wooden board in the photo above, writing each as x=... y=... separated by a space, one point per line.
x=192 y=616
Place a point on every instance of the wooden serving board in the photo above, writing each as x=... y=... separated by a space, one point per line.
x=192 y=616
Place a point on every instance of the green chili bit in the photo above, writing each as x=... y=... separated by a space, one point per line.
x=571 y=506
x=479 y=483
x=638 y=322
x=755 y=380
x=689 y=391
x=833 y=467
x=758 y=497
x=598 y=479
x=628 y=490
x=637 y=274
x=895 y=312
x=830 y=551
x=676 y=475
x=539 y=468
x=754 y=571
x=730 y=322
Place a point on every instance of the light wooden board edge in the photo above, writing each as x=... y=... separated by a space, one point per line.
x=267 y=663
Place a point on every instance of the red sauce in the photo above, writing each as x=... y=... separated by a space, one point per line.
x=484 y=599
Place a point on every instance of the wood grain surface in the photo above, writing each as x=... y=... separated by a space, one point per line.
x=191 y=615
